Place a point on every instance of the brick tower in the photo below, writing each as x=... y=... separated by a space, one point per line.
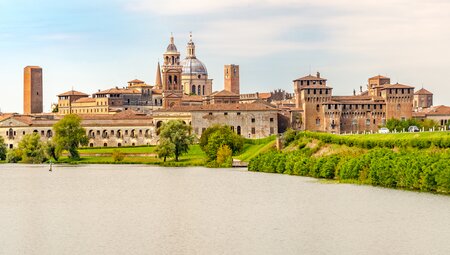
x=32 y=90
x=171 y=76
x=231 y=81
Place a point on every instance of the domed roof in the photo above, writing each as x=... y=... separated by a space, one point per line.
x=193 y=66
x=171 y=48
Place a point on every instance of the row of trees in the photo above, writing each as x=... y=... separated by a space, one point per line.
x=69 y=135
x=369 y=142
x=408 y=169
x=403 y=125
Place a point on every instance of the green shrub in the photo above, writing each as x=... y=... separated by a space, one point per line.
x=117 y=155
x=14 y=156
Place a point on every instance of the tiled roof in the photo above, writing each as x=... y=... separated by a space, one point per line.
x=423 y=91
x=222 y=107
x=264 y=95
x=192 y=98
x=118 y=91
x=224 y=93
x=72 y=93
x=437 y=110
x=85 y=100
x=136 y=81
x=157 y=91
x=397 y=86
x=379 y=77
x=310 y=78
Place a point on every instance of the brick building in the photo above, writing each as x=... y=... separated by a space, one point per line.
x=32 y=90
x=319 y=110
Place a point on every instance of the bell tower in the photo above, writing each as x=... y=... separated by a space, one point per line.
x=171 y=76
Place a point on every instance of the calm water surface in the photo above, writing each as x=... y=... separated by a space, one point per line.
x=112 y=209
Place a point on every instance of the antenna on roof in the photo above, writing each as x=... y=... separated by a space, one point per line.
x=309 y=69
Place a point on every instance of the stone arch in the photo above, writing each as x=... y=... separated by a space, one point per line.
x=49 y=133
x=91 y=145
x=159 y=124
x=119 y=133
x=105 y=144
x=105 y=134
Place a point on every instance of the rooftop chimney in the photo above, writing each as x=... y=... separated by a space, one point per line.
x=318 y=75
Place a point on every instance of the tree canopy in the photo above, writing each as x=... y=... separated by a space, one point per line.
x=177 y=133
x=216 y=136
x=69 y=135
x=2 y=149
x=32 y=149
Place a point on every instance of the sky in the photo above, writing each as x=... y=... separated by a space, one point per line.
x=89 y=45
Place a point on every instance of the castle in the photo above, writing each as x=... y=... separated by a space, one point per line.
x=130 y=115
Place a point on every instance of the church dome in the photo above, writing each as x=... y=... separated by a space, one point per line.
x=172 y=48
x=193 y=66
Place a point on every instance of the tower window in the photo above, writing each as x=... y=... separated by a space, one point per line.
x=253 y=120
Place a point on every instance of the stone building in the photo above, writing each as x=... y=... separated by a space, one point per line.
x=321 y=111
x=256 y=120
x=423 y=99
x=123 y=129
x=32 y=90
x=194 y=76
x=440 y=114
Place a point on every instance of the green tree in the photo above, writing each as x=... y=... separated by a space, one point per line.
x=2 y=149
x=165 y=149
x=14 y=155
x=69 y=135
x=52 y=150
x=224 y=156
x=216 y=136
x=177 y=133
x=32 y=149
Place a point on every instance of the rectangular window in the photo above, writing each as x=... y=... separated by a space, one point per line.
x=210 y=113
x=238 y=113
x=253 y=120
x=225 y=113
x=271 y=119
x=253 y=131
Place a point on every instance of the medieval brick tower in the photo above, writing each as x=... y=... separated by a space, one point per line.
x=231 y=78
x=32 y=90
x=171 y=76
x=310 y=94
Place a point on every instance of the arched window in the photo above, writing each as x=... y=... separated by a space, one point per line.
x=317 y=107
x=199 y=91
x=193 y=89
x=318 y=121
x=238 y=130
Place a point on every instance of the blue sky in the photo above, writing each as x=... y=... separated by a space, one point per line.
x=98 y=44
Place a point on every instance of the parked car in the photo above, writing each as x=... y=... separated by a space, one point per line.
x=383 y=130
x=413 y=129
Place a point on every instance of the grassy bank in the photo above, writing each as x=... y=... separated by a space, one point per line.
x=194 y=157
x=393 y=161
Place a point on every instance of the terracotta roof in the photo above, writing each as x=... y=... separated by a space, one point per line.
x=264 y=95
x=224 y=93
x=136 y=81
x=423 y=91
x=192 y=98
x=222 y=107
x=5 y=115
x=437 y=110
x=379 y=77
x=397 y=86
x=157 y=91
x=118 y=91
x=85 y=100
x=73 y=93
x=310 y=78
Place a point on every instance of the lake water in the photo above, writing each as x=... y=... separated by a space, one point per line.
x=122 y=209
